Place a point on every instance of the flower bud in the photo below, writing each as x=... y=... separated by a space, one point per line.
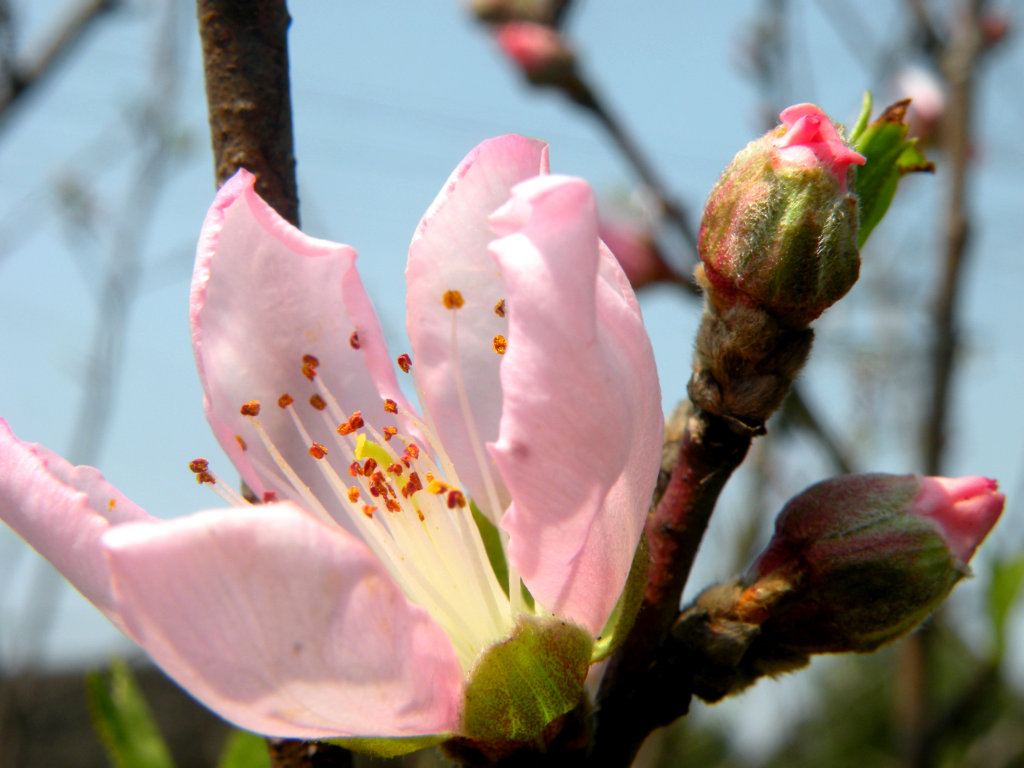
x=858 y=560
x=779 y=229
x=538 y=50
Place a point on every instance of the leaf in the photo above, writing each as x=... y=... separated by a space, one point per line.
x=1004 y=589
x=244 y=750
x=889 y=155
x=124 y=721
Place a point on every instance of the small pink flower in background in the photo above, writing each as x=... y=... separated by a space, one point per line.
x=537 y=49
x=356 y=601
x=633 y=245
x=927 y=96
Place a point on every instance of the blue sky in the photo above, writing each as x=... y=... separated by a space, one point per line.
x=386 y=102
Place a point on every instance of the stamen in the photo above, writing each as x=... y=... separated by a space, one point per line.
x=499 y=308
x=201 y=469
x=241 y=443
x=404 y=362
x=353 y=340
x=452 y=299
x=317 y=402
x=500 y=344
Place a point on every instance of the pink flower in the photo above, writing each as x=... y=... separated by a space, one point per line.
x=359 y=597
x=810 y=140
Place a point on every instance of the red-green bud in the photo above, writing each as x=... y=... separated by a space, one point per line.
x=858 y=560
x=779 y=229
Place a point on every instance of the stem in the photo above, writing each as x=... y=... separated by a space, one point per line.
x=634 y=699
x=245 y=59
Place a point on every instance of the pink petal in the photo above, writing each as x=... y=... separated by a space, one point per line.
x=581 y=427
x=62 y=511
x=263 y=296
x=449 y=252
x=965 y=509
x=284 y=625
x=811 y=139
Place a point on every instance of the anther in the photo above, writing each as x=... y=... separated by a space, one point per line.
x=269 y=497
x=353 y=494
x=389 y=432
x=285 y=400
x=369 y=510
x=413 y=450
x=392 y=506
x=309 y=366
x=390 y=406
x=500 y=344
x=395 y=469
x=252 y=408
x=369 y=466
x=353 y=340
x=317 y=451
x=452 y=299
x=499 y=308
x=317 y=402
x=241 y=443
x=354 y=469
x=456 y=499
x=205 y=477
x=404 y=362
x=198 y=465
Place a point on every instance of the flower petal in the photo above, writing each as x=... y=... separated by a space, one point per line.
x=581 y=426
x=449 y=253
x=263 y=296
x=62 y=511
x=284 y=625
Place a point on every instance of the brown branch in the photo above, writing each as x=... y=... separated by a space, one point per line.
x=245 y=56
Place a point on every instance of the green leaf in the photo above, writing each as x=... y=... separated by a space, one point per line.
x=244 y=750
x=889 y=155
x=627 y=607
x=390 y=747
x=862 y=119
x=1004 y=589
x=522 y=684
x=123 y=720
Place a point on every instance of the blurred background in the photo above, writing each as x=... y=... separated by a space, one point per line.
x=107 y=173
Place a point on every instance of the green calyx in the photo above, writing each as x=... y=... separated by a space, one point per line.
x=890 y=155
x=521 y=685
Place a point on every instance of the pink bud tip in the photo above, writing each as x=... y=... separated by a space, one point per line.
x=534 y=47
x=811 y=139
x=965 y=510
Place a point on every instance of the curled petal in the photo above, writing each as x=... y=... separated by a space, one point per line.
x=449 y=253
x=581 y=427
x=264 y=295
x=62 y=511
x=284 y=625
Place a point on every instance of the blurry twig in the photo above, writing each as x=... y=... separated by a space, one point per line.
x=24 y=71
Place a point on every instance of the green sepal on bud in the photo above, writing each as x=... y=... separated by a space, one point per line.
x=890 y=155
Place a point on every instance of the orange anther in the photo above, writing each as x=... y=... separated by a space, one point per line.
x=285 y=400
x=404 y=362
x=353 y=340
x=353 y=494
x=198 y=465
x=390 y=406
x=317 y=402
x=499 y=308
x=500 y=344
x=241 y=443
x=317 y=451
x=252 y=408
x=452 y=299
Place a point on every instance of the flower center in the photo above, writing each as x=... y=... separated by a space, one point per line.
x=401 y=494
